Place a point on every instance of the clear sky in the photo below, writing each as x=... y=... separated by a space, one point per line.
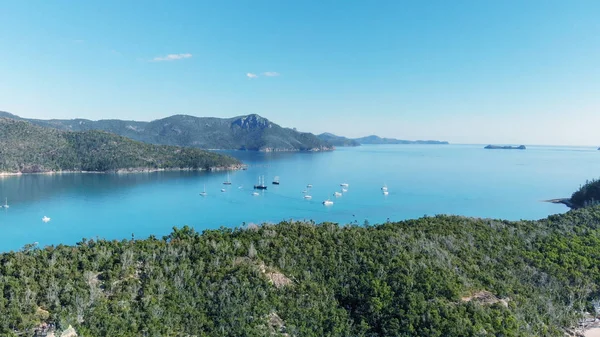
x=504 y=71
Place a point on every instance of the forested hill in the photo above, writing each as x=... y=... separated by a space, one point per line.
x=587 y=195
x=27 y=148
x=434 y=276
x=251 y=132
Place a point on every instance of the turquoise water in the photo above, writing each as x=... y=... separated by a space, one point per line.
x=422 y=180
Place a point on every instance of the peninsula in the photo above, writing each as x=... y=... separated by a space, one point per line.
x=498 y=147
x=587 y=195
x=27 y=148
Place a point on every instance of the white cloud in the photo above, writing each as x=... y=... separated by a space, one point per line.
x=172 y=57
x=271 y=74
x=251 y=75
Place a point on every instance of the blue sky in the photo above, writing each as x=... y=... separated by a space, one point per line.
x=463 y=71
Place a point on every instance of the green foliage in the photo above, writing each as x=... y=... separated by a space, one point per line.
x=28 y=148
x=434 y=276
x=587 y=195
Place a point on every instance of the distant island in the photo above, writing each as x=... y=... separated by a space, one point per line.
x=498 y=147
x=250 y=132
x=372 y=140
x=27 y=148
x=337 y=140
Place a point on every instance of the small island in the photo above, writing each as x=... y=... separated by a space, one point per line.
x=498 y=147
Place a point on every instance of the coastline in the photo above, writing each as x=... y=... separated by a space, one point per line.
x=564 y=201
x=128 y=170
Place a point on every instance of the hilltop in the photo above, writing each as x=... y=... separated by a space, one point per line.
x=27 y=148
x=250 y=132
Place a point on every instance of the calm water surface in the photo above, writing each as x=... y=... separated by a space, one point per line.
x=422 y=180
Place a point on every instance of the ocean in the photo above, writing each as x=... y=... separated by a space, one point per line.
x=421 y=179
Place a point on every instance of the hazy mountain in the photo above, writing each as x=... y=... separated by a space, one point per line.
x=378 y=140
x=337 y=140
x=28 y=148
x=344 y=141
x=251 y=132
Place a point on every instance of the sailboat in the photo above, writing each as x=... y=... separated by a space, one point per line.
x=276 y=180
x=227 y=182
x=327 y=202
x=261 y=184
x=203 y=193
x=6 y=203
x=384 y=188
x=345 y=185
x=337 y=194
x=46 y=219
x=307 y=196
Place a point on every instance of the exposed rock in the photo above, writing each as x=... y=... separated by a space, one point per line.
x=485 y=297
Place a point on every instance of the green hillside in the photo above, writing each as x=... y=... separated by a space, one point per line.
x=28 y=148
x=434 y=276
x=251 y=132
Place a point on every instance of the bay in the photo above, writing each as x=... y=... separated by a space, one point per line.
x=422 y=180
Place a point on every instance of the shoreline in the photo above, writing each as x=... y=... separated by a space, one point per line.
x=127 y=170
x=564 y=201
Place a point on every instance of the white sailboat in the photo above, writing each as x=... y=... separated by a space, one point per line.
x=203 y=193
x=386 y=192
x=223 y=190
x=337 y=194
x=327 y=202
x=255 y=194
x=384 y=188
x=345 y=185
x=46 y=219
x=307 y=197
x=344 y=190
x=6 y=203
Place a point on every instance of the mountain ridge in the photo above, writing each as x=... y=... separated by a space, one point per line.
x=245 y=132
x=371 y=140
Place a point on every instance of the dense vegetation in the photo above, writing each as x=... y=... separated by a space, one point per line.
x=434 y=276
x=28 y=148
x=587 y=195
x=250 y=132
